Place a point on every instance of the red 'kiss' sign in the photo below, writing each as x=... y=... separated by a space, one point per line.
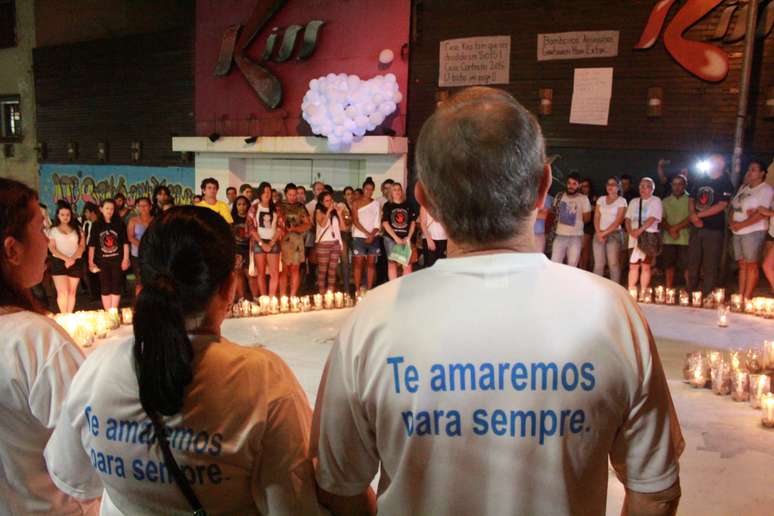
x=704 y=60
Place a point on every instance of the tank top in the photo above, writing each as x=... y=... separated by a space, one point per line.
x=66 y=243
x=139 y=231
x=370 y=217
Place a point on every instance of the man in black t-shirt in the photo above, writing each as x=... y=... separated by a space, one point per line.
x=710 y=196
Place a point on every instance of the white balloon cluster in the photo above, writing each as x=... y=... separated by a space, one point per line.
x=343 y=107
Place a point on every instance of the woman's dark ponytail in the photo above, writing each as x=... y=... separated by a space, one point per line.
x=187 y=254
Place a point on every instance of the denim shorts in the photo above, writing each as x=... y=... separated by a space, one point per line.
x=274 y=250
x=749 y=247
x=361 y=248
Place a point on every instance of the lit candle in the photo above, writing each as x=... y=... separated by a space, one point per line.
x=685 y=298
x=752 y=361
x=671 y=297
x=767 y=406
x=735 y=362
x=102 y=328
x=760 y=386
x=720 y=376
x=265 y=302
x=318 y=301
x=736 y=302
x=306 y=304
x=660 y=298
x=719 y=295
x=255 y=309
x=348 y=301
x=284 y=304
x=723 y=316
x=767 y=355
x=295 y=304
x=328 y=300
x=697 y=299
x=769 y=309
x=698 y=380
x=759 y=304
x=114 y=319
x=127 y=315
x=633 y=293
x=274 y=305
x=749 y=307
x=338 y=300
x=740 y=386
x=647 y=295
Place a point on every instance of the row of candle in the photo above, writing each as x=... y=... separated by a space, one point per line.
x=671 y=296
x=87 y=326
x=739 y=374
x=278 y=305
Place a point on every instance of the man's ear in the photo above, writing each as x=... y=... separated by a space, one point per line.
x=545 y=186
x=420 y=194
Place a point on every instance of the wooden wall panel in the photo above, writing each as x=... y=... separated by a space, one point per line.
x=118 y=90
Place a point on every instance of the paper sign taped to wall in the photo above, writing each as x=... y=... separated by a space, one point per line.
x=577 y=45
x=475 y=61
x=591 y=95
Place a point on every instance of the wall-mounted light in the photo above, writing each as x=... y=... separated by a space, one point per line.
x=655 y=101
x=769 y=102
x=102 y=151
x=72 y=151
x=546 y=101
x=8 y=150
x=441 y=96
x=136 y=150
x=41 y=150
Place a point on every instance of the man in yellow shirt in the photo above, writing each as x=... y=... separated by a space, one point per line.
x=210 y=200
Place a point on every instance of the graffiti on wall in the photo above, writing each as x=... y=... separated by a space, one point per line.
x=79 y=184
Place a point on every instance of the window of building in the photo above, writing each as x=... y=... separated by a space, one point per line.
x=7 y=23
x=10 y=117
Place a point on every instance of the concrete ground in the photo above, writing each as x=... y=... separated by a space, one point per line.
x=727 y=464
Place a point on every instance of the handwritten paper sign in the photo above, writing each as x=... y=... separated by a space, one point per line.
x=475 y=61
x=577 y=45
x=591 y=94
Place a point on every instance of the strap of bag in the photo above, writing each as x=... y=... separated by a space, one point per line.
x=174 y=468
x=640 y=216
x=330 y=223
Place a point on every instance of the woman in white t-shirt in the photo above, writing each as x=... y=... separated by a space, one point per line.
x=37 y=362
x=262 y=228
x=609 y=214
x=643 y=215
x=66 y=244
x=749 y=227
x=235 y=421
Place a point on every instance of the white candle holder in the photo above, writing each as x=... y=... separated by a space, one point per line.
x=338 y=300
x=646 y=295
x=696 y=299
x=295 y=304
x=660 y=295
x=318 y=301
x=328 y=300
x=767 y=408
x=633 y=292
x=685 y=298
x=284 y=304
x=671 y=296
x=719 y=296
x=723 y=316
x=740 y=386
x=767 y=355
x=760 y=386
x=736 y=302
x=127 y=316
x=720 y=376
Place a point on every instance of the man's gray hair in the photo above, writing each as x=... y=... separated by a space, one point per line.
x=480 y=157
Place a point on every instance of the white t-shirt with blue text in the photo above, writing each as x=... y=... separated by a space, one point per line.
x=241 y=438
x=478 y=386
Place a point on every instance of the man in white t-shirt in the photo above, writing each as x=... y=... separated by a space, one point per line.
x=470 y=401
x=749 y=226
x=573 y=210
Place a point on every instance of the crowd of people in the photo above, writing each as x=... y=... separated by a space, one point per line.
x=285 y=244
x=678 y=222
x=474 y=386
